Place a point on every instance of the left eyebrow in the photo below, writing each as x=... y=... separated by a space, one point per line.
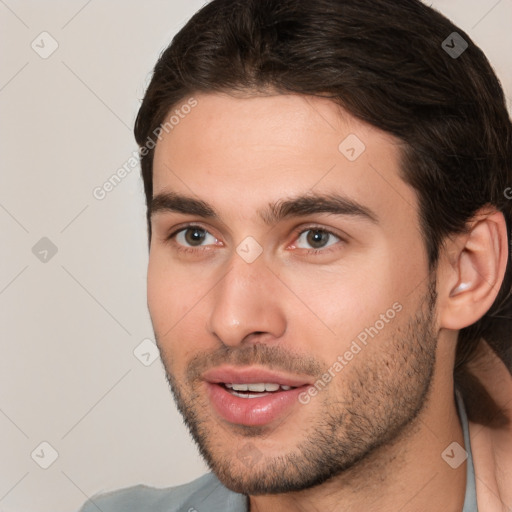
x=310 y=204
x=300 y=206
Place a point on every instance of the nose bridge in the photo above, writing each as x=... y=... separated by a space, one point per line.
x=246 y=301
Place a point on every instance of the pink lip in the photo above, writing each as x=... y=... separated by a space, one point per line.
x=252 y=411
x=252 y=375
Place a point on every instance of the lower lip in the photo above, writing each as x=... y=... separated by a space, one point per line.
x=252 y=411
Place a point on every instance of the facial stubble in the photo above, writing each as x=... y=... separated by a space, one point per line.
x=383 y=394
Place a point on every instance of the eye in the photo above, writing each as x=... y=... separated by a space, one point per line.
x=316 y=238
x=193 y=236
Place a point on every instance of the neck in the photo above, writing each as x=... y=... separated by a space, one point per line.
x=406 y=475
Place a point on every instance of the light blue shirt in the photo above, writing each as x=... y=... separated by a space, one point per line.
x=207 y=494
x=470 y=504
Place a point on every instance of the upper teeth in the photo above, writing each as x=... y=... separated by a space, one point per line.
x=260 y=387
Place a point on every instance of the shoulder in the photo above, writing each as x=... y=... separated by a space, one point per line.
x=205 y=493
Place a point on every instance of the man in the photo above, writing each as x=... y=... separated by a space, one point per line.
x=329 y=274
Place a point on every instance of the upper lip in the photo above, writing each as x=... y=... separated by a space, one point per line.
x=252 y=375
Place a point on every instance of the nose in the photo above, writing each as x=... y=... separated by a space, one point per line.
x=246 y=305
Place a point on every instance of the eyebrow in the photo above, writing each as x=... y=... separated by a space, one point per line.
x=299 y=206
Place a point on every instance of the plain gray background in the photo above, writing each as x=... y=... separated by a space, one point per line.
x=73 y=320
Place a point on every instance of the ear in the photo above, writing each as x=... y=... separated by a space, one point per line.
x=471 y=270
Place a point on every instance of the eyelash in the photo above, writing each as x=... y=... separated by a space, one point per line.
x=297 y=233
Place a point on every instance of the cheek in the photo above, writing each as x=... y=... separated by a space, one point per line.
x=170 y=290
x=345 y=299
x=364 y=299
x=175 y=299
x=161 y=299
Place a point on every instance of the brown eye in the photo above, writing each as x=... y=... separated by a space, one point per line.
x=194 y=236
x=316 y=238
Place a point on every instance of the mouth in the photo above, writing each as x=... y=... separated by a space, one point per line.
x=252 y=396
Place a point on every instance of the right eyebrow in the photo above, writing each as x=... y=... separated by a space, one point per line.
x=172 y=202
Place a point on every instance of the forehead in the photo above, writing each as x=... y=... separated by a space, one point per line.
x=241 y=152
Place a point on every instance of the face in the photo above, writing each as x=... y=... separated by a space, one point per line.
x=288 y=288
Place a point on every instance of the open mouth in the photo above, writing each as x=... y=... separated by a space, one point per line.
x=255 y=390
x=253 y=395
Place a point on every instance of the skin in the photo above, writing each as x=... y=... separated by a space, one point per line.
x=388 y=415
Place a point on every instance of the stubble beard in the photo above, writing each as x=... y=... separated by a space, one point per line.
x=381 y=397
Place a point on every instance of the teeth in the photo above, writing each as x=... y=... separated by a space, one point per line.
x=248 y=395
x=259 y=387
x=238 y=387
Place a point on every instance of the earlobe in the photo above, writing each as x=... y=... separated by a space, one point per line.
x=475 y=270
